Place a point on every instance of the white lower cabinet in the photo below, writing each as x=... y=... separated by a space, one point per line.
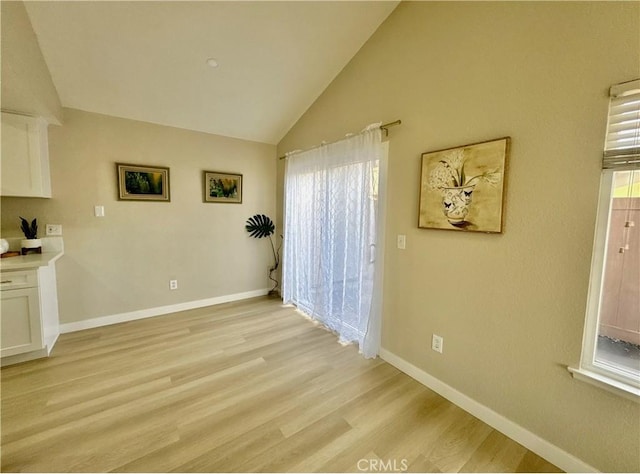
x=20 y=319
x=29 y=314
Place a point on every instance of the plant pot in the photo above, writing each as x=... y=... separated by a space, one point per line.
x=455 y=203
x=31 y=243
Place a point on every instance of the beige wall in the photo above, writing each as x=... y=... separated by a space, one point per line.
x=26 y=83
x=124 y=261
x=510 y=307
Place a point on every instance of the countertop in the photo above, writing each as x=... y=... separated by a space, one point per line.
x=33 y=260
x=52 y=250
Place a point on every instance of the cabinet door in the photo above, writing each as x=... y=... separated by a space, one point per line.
x=25 y=157
x=20 y=327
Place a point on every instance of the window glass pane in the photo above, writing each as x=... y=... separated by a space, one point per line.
x=618 y=344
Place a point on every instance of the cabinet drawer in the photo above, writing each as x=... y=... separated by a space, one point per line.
x=15 y=280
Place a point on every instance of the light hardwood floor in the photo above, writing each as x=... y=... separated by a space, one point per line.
x=249 y=386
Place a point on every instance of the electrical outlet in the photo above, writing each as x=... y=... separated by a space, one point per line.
x=54 y=229
x=437 y=343
x=173 y=284
x=402 y=241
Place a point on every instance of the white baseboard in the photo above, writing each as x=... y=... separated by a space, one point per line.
x=526 y=438
x=24 y=357
x=158 y=311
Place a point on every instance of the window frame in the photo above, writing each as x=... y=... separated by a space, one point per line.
x=596 y=372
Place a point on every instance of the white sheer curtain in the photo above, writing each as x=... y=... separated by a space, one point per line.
x=331 y=224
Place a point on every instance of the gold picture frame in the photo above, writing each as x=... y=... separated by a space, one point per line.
x=222 y=187
x=463 y=188
x=142 y=182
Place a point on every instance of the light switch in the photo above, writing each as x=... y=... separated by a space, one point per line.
x=402 y=241
x=98 y=211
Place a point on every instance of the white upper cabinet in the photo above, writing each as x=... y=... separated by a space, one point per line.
x=25 y=157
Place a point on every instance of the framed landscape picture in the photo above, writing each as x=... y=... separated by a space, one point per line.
x=142 y=182
x=462 y=188
x=222 y=187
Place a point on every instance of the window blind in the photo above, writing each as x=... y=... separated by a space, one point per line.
x=622 y=143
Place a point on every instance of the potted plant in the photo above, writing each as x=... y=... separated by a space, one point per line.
x=456 y=187
x=260 y=226
x=30 y=231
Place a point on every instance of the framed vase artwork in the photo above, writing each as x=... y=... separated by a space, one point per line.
x=222 y=187
x=142 y=182
x=463 y=188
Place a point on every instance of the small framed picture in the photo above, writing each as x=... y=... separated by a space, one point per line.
x=142 y=183
x=222 y=187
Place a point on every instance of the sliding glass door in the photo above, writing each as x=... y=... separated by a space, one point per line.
x=332 y=227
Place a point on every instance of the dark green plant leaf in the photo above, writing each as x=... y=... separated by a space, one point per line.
x=260 y=226
x=29 y=231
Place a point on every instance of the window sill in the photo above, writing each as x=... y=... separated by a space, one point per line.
x=614 y=386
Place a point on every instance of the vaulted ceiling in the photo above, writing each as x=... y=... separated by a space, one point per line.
x=147 y=60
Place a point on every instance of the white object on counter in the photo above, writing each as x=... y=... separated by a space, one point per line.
x=31 y=243
x=4 y=246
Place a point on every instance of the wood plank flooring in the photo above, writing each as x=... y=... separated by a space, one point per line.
x=249 y=386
